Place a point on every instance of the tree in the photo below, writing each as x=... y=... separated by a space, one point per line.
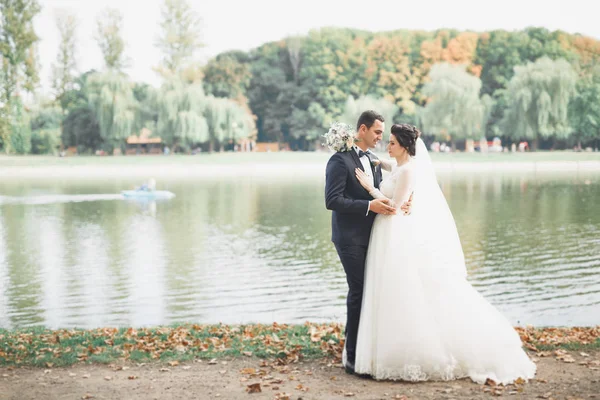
x=454 y=109
x=81 y=129
x=266 y=92
x=584 y=110
x=539 y=95
x=226 y=76
x=226 y=121
x=20 y=131
x=354 y=107
x=109 y=35
x=180 y=111
x=145 y=114
x=111 y=98
x=64 y=69
x=80 y=126
x=180 y=37
x=388 y=57
x=45 y=124
x=18 y=60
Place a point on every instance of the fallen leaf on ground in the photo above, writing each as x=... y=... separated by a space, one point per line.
x=248 y=371
x=254 y=388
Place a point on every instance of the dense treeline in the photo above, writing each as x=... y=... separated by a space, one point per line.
x=534 y=85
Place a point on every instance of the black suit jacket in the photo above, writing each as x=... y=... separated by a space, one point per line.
x=344 y=195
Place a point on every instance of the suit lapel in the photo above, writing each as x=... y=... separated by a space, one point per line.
x=356 y=159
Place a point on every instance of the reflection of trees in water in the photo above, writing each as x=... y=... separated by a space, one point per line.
x=97 y=248
x=515 y=228
x=259 y=234
x=23 y=286
x=5 y=321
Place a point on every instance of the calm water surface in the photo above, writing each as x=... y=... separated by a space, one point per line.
x=257 y=249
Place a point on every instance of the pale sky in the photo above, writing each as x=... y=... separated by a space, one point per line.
x=230 y=24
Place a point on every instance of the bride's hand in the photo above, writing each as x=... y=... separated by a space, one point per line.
x=407 y=205
x=364 y=180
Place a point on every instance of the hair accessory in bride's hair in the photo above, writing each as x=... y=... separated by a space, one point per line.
x=340 y=137
x=417 y=132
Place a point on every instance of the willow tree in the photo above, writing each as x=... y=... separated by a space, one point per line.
x=539 y=95
x=454 y=109
x=111 y=98
x=227 y=120
x=354 y=107
x=180 y=111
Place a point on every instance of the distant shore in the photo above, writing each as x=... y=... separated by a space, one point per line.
x=272 y=164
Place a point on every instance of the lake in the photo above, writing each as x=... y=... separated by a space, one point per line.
x=256 y=248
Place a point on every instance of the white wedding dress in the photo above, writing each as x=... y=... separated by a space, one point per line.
x=421 y=319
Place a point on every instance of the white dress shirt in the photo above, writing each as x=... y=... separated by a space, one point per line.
x=366 y=163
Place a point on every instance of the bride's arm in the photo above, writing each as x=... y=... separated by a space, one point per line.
x=403 y=194
x=386 y=165
x=365 y=182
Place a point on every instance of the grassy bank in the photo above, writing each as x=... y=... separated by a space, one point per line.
x=281 y=158
x=286 y=343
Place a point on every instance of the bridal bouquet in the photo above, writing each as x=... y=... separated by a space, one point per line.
x=340 y=137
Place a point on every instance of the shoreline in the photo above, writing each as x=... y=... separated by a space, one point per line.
x=280 y=362
x=282 y=169
x=42 y=347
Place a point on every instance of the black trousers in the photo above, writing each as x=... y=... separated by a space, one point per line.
x=353 y=260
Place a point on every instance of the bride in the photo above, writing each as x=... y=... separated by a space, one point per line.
x=421 y=319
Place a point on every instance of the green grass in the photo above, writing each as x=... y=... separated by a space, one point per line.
x=571 y=346
x=277 y=158
x=45 y=348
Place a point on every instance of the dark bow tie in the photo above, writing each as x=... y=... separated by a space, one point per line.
x=363 y=153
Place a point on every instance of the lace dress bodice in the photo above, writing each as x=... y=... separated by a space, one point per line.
x=399 y=184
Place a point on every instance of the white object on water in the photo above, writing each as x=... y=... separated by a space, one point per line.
x=148 y=194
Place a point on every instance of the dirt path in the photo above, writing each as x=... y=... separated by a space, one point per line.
x=575 y=377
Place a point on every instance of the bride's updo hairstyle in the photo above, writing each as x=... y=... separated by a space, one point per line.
x=407 y=136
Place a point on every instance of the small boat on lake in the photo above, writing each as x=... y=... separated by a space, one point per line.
x=148 y=194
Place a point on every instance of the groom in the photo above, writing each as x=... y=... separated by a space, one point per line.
x=353 y=215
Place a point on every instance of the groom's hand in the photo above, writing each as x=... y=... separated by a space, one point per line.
x=382 y=206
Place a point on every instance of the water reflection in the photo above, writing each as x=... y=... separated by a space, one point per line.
x=259 y=250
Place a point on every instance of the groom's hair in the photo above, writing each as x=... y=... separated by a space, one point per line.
x=368 y=118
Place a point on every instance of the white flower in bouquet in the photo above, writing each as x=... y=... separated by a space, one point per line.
x=340 y=137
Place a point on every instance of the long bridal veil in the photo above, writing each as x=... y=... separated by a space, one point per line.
x=436 y=237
